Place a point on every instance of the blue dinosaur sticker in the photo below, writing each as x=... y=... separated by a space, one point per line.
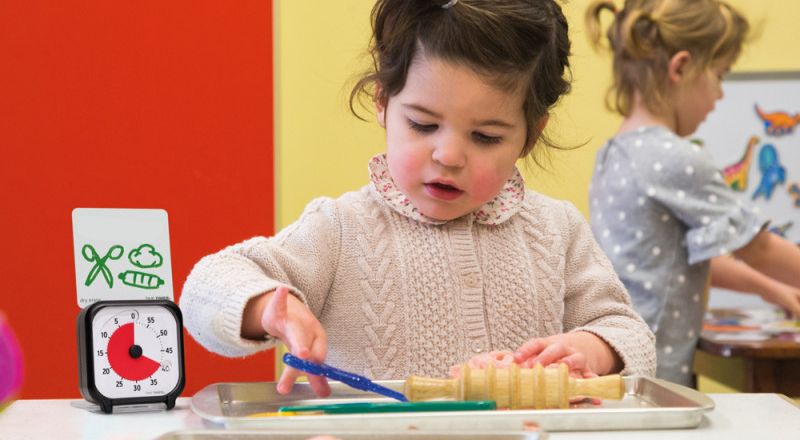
x=772 y=172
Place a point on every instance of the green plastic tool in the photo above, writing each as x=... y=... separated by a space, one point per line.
x=386 y=407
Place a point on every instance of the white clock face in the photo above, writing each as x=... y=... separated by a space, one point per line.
x=136 y=351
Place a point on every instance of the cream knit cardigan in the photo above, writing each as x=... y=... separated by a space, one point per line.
x=398 y=297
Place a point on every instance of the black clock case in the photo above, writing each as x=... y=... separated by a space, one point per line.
x=86 y=364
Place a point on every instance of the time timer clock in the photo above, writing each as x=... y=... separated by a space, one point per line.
x=131 y=353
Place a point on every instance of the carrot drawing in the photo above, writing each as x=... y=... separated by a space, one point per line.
x=140 y=279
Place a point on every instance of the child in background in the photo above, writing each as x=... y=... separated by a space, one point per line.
x=659 y=208
x=444 y=254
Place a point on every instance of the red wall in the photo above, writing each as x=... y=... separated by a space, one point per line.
x=128 y=104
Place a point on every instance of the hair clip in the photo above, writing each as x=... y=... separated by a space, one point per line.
x=449 y=4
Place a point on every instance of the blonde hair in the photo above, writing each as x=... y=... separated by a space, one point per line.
x=645 y=35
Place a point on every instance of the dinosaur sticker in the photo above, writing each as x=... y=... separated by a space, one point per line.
x=772 y=172
x=735 y=174
x=781 y=230
x=778 y=123
x=794 y=191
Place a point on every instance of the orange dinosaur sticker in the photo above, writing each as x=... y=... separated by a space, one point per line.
x=778 y=123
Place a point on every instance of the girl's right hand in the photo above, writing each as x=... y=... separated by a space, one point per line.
x=787 y=297
x=288 y=319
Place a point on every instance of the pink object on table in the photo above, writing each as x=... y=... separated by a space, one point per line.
x=10 y=361
x=500 y=359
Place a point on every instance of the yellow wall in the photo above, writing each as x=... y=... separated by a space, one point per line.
x=323 y=150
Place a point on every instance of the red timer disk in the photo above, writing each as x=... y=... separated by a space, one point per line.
x=126 y=356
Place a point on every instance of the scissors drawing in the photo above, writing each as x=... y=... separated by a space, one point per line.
x=91 y=255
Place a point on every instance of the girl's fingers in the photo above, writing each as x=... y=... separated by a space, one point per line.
x=317 y=353
x=794 y=303
x=297 y=341
x=552 y=353
x=300 y=338
x=529 y=349
x=318 y=350
x=286 y=382
x=547 y=352
x=576 y=362
x=320 y=385
x=275 y=314
x=296 y=345
x=289 y=376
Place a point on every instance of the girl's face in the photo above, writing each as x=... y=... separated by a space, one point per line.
x=695 y=99
x=452 y=138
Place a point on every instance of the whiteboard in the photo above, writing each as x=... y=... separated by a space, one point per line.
x=732 y=126
x=728 y=131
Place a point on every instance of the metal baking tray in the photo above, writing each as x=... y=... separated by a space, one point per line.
x=283 y=435
x=648 y=404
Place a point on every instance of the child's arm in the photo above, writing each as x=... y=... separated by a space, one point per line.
x=302 y=256
x=774 y=256
x=728 y=273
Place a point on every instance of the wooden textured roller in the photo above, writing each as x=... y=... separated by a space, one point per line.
x=515 y=387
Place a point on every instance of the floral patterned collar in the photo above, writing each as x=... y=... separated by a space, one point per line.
x=494 y=212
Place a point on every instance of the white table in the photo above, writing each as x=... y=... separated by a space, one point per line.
x=736 y=416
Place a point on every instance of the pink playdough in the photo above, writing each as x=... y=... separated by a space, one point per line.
x=10 y=362
x=500 y=359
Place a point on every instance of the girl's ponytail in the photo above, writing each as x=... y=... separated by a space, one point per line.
x=592 y=18
x=639 y=35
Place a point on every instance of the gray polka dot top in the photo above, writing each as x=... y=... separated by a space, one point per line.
x=661 y=210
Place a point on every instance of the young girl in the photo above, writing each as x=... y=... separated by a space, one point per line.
x=444 y=254
x=660 y=210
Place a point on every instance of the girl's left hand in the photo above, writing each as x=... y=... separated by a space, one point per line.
x=551 y=350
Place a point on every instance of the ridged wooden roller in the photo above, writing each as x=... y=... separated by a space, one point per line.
x=515 y=387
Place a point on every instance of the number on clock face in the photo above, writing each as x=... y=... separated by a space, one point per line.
x=135 y=351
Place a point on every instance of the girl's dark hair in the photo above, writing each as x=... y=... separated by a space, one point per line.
x=646 y=34
x=515 y=44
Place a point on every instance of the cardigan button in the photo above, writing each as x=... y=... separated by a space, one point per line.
x=471 y=280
